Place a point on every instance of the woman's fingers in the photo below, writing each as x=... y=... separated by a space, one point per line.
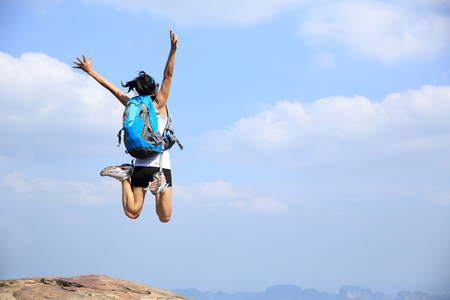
x=81 y=64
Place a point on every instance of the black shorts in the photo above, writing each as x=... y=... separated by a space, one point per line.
x=142 y=176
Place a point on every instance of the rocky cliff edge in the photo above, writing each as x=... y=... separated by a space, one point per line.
x=81 y=287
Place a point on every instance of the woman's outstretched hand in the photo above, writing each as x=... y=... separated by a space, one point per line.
x=173 y=41
x=84 y=64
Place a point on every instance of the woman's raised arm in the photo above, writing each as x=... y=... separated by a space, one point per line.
x=161 y=97
x=86 y=66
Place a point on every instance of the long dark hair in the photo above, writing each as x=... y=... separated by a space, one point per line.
x=143 y=84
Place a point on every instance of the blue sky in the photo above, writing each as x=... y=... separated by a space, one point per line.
x=316 y=138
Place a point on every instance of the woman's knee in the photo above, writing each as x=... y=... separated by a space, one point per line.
x=133 y=212
x=164 y=219
x=133 y=216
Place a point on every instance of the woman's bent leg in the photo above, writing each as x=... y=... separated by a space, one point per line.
x=132 y=199
x=164 y=205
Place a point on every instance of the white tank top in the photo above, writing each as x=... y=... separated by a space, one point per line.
x=154 y=160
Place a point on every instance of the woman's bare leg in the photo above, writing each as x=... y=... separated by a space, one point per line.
x=132 y=199
x=164 y=205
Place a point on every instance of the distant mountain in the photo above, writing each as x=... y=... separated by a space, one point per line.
x=278 y=292
x=291 y=292
x=407 y=295
x=354 y=292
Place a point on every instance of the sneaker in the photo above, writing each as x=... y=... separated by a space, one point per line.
x=159 y=183
x=120 y=173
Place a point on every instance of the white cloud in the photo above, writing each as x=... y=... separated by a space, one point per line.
x=50 y=107
x=240 y=12
x=387 y=31
x=221 y=193
x=266 y=131
x=22 y=186
x=324 y=59
x=215 y=191
x=341 y=130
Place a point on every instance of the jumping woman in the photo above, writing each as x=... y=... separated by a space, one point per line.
x=138 y=179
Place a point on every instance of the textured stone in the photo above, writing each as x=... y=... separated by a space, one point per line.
x=87 y=286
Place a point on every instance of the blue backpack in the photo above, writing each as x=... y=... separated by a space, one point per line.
x=142 y=137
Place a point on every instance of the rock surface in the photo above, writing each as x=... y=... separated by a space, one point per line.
x=87 y=286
